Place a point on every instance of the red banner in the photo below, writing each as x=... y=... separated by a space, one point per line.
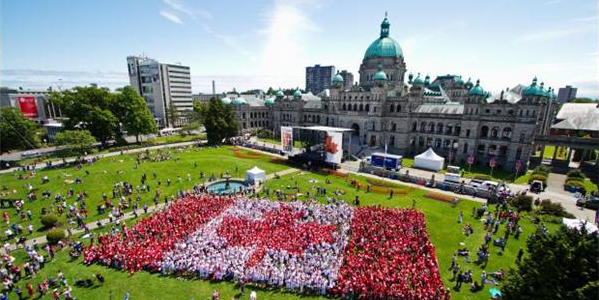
x=28 y=106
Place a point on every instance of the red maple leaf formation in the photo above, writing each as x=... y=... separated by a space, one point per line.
x=280 y=229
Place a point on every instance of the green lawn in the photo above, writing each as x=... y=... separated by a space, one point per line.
x=105 y=173
x=445 y=232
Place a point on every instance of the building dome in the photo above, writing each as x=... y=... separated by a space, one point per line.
x=533 y=89
x=418 y=80
x=384 y=46
x=270 y=102
x=297 y=94
x=552 y=94
x=226 y=100
x=427 y=80
x=477 y=90
x=459 y=81
x=380 y=75
x=280 y=94
x=338 y=78
x=238 y=101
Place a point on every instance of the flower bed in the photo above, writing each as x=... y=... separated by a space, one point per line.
x=440 y=197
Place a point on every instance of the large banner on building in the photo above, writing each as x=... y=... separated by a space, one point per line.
x=28 y=107
x=287 y=138
x=333 y=147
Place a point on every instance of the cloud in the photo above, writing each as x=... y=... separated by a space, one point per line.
x=230 y=41
x=287 y=31
x=42 y=79
x=548 y=35
x=192 y=13
x=171 y=17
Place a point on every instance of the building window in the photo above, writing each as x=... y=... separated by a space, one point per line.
x=457 y=130
x=421 y=141
x=414 y=125
x=519 y=153
x=393 y=126
x=398 y=108
x=355 y=107
x=480 y=149
x=484 y=131
x=423 y=126
x=507 y=133
x=429 y=141
x=392 y=140
x=467 y=132
x=439 y=127
x=391 y=108
x=367 y=107
x=361 y=107
x=522 y=137
x=502 y=150
x=431 y=127
x=487 y=111
x=495 y=132
x=465 y=147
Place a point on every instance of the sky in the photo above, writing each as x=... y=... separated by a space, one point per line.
x=248 y=44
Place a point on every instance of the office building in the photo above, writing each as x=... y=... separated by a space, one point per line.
x=164 y=87
x=319 y=78
x=566 y=93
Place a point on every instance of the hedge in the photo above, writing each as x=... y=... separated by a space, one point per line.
x=55 y=235
x=539 y=177
x=49 y=220
x=575 y=174
x=575 y=183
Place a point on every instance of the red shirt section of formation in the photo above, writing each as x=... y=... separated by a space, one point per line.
x=144 y=245
x=390 y=256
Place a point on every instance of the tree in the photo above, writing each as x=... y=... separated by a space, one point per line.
x=172 y=115
x=75 y=142
x=16 y=131
x=562 y=265
x=219 y=121
x=582 y=100
x=133 y=113
x=89 y=108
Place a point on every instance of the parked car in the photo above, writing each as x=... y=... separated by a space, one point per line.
x=592 y=203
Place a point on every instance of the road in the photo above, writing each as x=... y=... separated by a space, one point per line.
x=554 y=191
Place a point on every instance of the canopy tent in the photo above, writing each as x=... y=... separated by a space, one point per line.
x=255 y=175
x=429 y=160
x=578 y=223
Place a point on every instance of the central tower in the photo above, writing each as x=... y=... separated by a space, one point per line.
x=383 y=54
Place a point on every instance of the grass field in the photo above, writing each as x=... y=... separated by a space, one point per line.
x=108 y=171
x=441 y=219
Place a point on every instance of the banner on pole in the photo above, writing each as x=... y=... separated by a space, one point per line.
x=287 y=139
x=333 y=147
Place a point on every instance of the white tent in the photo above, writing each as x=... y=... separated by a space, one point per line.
x=578 y=223
x=255 y=175
x=429 y=160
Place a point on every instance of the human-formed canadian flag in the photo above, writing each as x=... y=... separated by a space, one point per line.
x=341 y=250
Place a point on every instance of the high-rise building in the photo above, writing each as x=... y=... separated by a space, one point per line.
x=566 y=93
x=319 y=78
x=164 y=87
x=348 y=78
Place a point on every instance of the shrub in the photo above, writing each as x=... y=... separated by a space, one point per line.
x=540 y=177
x=49 y=220
x=55 y=235
x=575 y=183
x=542 y=170
x=553 y=208
x=575 y=174
x=522 y=202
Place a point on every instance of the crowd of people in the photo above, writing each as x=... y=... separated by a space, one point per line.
x=143 y=245
x=390 y=256
x=296 y=245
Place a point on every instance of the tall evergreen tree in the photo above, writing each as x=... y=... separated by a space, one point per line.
x=562 y=265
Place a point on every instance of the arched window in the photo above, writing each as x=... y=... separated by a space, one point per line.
x=457 y=130
x=367 y=107
x=423 y=126
x=507 y=133
x=398 y=108
x=484 y=131
x=355 y=107
x=495 y=132
x=393 y=126
x=431 y=127
x=244 y=115
x=391 y=108
x=414 y=125
x=421 y=141
x=439 y=127
x=361 y=107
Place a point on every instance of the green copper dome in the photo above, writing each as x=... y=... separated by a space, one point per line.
x=418 y=80
x=338 y=78
x=269 y=102
x=280 y=94
x=239 y=101
x=380 y=75
x=459 y=81
x=477 y=90
x=469 y=83
x=533 y=89
x=384 y=46
x=427 y=80
x=226 y=100
x=297 y=94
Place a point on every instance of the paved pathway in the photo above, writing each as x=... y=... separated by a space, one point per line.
x=108 y=154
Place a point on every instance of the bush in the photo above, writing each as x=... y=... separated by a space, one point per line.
x=55 y=235
x=542 y=170
x=522 y=202
x=575 y=183
x=539 y=177
x=575 y=174
x=553 y=208
x=49 y=220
